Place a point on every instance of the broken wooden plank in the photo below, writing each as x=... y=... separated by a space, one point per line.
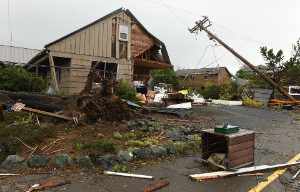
x=129 y=175
x=246 y=170
x=47 y=185
x=251 y=174
x=184 y=120
x=155 y=187
x=8 y=174
x=47 y=113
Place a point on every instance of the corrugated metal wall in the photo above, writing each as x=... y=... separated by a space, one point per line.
x=17 y=55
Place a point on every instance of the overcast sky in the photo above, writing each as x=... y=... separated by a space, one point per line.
x=243 y=25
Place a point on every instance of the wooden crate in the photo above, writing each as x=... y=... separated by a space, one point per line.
x=238 y=147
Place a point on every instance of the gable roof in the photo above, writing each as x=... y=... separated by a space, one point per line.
x=210 y=71
x=16 y=55
x=134 y=19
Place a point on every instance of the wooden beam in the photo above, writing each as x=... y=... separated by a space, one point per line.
x=242 y=171
x=155 y=187
x=51 y=61
x=47 y=113
x=47 y=185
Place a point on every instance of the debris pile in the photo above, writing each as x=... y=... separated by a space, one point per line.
x=93 y=104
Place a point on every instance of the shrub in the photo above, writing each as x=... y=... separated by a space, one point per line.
x=125 y=91
x=100 y=135
x=16 y=79
x=117 y=135
x=120 y=168
x=211 y=91
x=129 y=135
x=107 y=145
x=231 y=91
x=246 y=101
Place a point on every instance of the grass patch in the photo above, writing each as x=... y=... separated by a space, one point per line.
x=79 y=146
x=30 y=134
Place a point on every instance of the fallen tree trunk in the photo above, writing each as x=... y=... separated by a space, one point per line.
x=39 y=101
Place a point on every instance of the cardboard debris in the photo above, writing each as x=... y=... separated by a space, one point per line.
x=151 y=95
x=141 y=97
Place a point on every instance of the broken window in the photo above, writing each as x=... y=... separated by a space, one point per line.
x=123 y=33
x=58 y=74
x=192 y=78
x=107 y=69
x=205 y=77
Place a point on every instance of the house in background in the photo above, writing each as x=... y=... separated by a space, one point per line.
x=197 y=78
x=16 y=55
x=122 y=44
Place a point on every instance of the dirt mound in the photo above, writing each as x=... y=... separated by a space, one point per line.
x=92 y=105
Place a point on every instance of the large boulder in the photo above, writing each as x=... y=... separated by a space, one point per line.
x=38 y=161
x=62 y=160
x=158 y=151
x=13 y=163
x=85 y=161
x=171 y=148
x=142 y=153
x=107 y=161
x=125 y=156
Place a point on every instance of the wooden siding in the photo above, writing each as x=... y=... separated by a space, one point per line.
x=77 y=77
x=223 y=77
x=140 y=40
x=96 y=40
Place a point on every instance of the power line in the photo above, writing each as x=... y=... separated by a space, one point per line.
x=216 y=60
x=181 y=20
x=202 y=56
x=215 y=56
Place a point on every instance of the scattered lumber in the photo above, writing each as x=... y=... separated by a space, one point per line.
x=251 y=174
x=47 y=113
x=282 y=102
x=8 y=174
x=241 y=171
x=184 y=120
x=47 y=185
x=129 y=175
x=155 y=187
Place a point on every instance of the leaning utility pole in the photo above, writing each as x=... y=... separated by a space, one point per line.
x=201 y=25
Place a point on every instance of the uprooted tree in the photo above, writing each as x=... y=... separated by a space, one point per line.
x=100 y=103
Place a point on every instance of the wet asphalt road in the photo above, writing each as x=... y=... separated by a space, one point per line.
x=277 y=141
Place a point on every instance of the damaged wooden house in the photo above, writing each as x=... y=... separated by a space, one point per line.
x=197 y=78
x=124 y=46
